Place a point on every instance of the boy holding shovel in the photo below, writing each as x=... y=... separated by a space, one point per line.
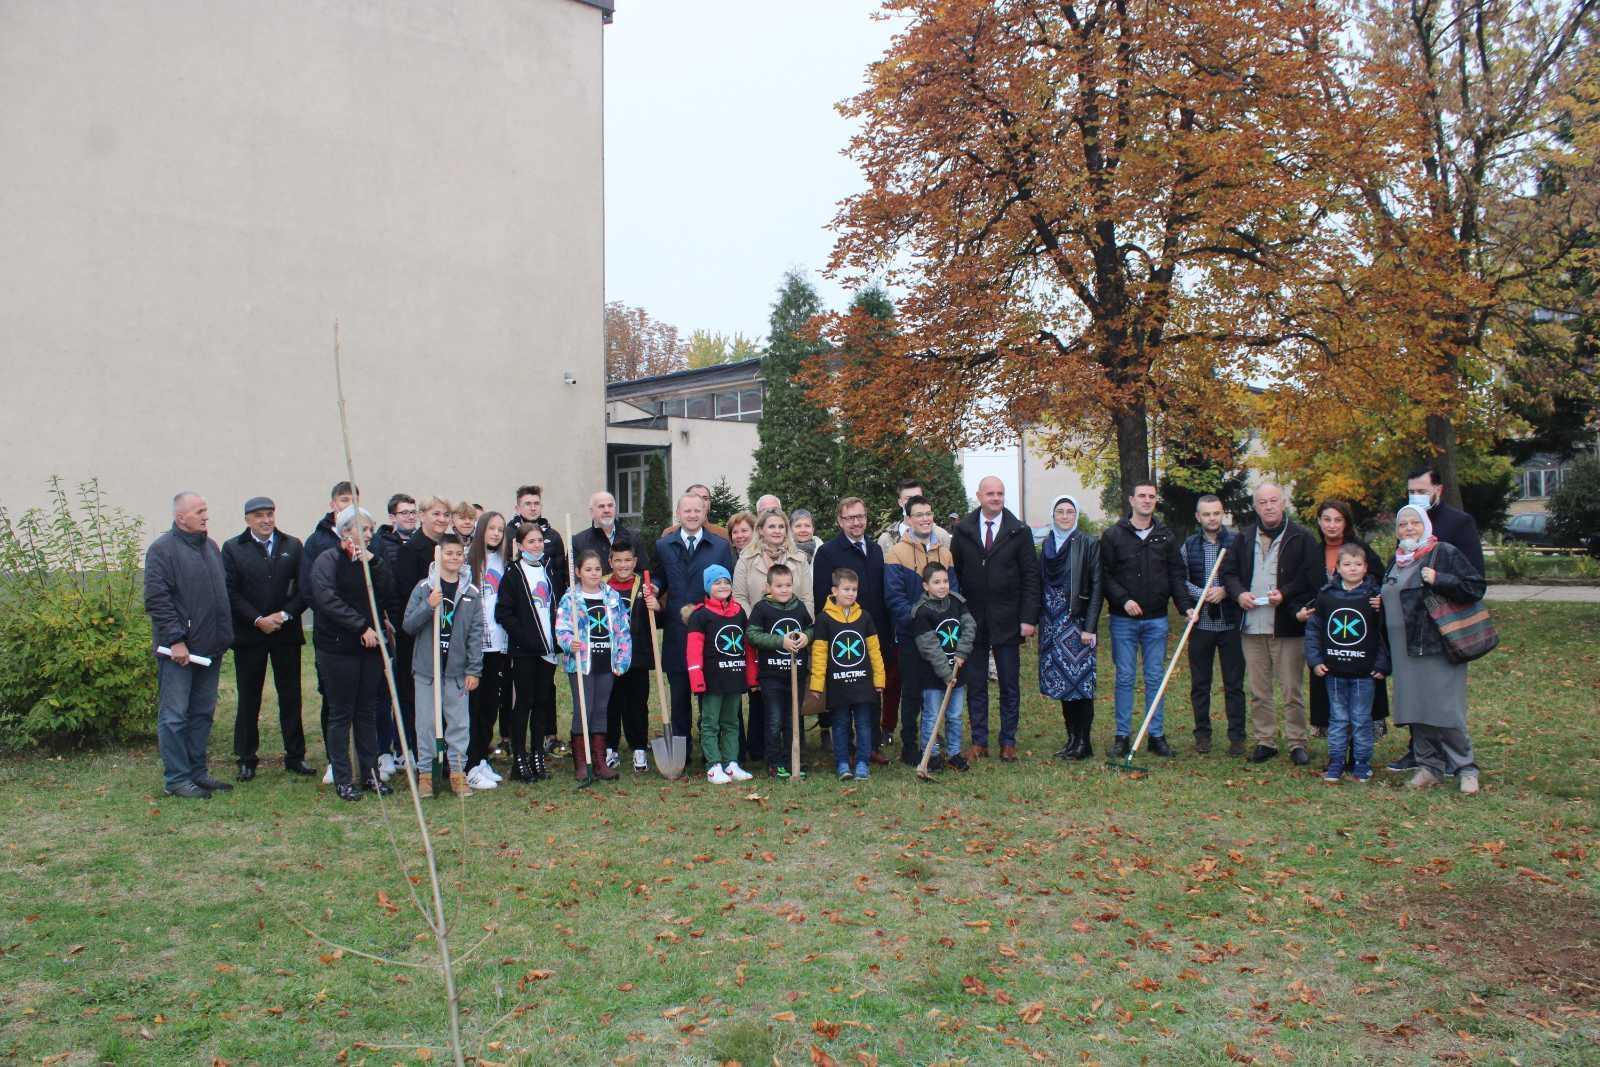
x=460 y=610
x=780 y=629
x=944 y=632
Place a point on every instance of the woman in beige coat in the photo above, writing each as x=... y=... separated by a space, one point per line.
x=771 y=545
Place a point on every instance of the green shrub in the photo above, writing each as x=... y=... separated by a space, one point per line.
x=74 y=640
x=1514 y=561
x=1575 y=507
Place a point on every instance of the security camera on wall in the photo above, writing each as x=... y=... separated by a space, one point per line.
x=569 y=377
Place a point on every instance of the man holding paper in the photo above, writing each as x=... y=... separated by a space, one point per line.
x=186 y=597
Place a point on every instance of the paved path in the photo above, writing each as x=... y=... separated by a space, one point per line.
x=1583 y=594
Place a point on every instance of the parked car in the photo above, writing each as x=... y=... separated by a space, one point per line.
x=1532 y=528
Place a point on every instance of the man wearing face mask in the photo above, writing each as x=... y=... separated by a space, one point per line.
x=1450 y=525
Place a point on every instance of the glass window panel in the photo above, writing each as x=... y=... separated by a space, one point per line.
x=699 y=407
x=750 y=401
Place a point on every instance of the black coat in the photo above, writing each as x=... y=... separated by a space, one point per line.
x=555 y=549
x=1001 y=586
x=323 y=539
x=593 y=540
x=259 y=587
x=412 y=560
x=1146 y=570
x=340 y=609
x=515 y=613
x=1455 y=527
x=841 y=553
x=1300 y=573
x=681 y=578
x=186 y=594
x=389 y=544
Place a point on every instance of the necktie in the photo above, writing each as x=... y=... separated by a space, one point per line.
x=988 y=534
x=693 y=541
x=861 y=547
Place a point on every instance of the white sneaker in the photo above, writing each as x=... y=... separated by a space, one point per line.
x=487 y=771
x=716 y=776
x=327 y=775
x=386 y=766
x=639 y=762
x=477 y=779
x=1469 y=782
x=613 y=760
x=738 y=773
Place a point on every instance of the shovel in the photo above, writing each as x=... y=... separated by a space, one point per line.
x=671 y=752
x=1126 y=763
x=933 y=735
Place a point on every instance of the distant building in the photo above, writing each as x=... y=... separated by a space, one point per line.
x=1540 y=475
x=703 y=422
x=194 y=193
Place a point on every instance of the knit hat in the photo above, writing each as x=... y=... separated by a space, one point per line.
x=714 y=574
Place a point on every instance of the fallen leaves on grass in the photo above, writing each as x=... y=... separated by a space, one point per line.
x=1032 y=1014
x=820 y=1058
x=386 y=904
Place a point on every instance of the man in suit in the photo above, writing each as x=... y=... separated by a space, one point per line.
x=681 y=561
x=999 y=575
x=1450 y=525
x=262 y=567
x=852 y=548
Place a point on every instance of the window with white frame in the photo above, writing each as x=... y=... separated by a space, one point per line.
x=628 y=473
x=1541 y=483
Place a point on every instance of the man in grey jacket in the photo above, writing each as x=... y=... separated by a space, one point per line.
x=191 y=624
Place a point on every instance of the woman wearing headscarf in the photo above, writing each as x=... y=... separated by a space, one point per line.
x=1430 y=692
x=1069 y=566
x=1336 y=525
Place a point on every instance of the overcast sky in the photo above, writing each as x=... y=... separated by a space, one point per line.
x=722 y=151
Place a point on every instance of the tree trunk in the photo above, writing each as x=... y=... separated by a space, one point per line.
x=1442 y=440
x=1133 y=448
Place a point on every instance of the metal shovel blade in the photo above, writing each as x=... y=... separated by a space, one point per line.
x=672 y=753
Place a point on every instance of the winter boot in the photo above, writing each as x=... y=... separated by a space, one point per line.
x=459 y=786
x=602 y=766
x=1085 y=719
x=580 y=757
x=537 y=771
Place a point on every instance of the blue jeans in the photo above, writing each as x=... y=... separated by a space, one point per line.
x=1129 y=638
x=954 y=717
x=187 y=705
x=1349 y=709
x=1008 y=666
x=840 y=721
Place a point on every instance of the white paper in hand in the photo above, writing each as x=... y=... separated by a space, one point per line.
x=198 y=661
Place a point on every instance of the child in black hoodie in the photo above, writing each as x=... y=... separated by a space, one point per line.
x=1345 y=644
x=780 y=629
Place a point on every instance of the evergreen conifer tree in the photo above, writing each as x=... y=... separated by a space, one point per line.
x=796 y=455
x=656 y=514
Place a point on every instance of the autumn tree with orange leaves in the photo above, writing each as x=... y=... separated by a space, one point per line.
x=1100 y=214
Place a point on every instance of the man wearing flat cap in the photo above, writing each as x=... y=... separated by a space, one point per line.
x=263 y=571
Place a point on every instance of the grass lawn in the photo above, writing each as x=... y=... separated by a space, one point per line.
x=1211 y=912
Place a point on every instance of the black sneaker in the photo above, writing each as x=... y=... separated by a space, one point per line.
x=215 y=785
x=380 y=787
x=1263 y=753
x=1408 y=762
x=247 y=771
x=1299 y=755
x=188 y=791
x=1159 y=746
x=1119 y=747
x=348 y=792
x=958 y=761
x=936 y=763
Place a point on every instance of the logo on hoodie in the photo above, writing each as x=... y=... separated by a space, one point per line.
x=1346 y=626
x=949 y=634
x=730 y=641
x=848 y=649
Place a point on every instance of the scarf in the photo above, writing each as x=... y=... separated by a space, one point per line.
x=1055 y=556
x=1058 y=532
x=1405 y=554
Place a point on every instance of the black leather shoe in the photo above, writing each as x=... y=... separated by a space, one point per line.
x=215 y=785
x=1159 y=746
x=1202 y=743
x=189 y=791
x=1119 y=747
x=247 y=771
x=1408 y=762
x=348 y=792
x=1263 y=753
x=300 y=767
x=1300 y=756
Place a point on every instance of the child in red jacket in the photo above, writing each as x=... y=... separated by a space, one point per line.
x=720 y=670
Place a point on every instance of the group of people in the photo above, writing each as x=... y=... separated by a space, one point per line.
x=480 y=611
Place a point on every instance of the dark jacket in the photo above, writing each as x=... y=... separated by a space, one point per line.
x=1300 y=573
x=841 y=553
x=594 y=539
x=186 y=594
x=682 y=581
x=515 y=612
x=323 y=539
x=258 y=587
x=1076 y=580
x=1454 y=579
x=1194 y=570
x=1346 y=632
x=1001 y=586
x=555 y=551
x=719 y=659
x=390 y=543
x=846 y=658
x=1456 y=528
x=943 y=631
x=632 y=594
x=339 y=604
x=770 y=623
x=412 y=561
x=1148 y=570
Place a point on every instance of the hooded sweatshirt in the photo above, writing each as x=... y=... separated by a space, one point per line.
x=719 y=662
x=770 y=623
x=943 y=630
x=1345 y=632
x=846 y=662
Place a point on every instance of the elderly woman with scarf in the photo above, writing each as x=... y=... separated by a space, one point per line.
x=1430 y=692
x=1069 y=566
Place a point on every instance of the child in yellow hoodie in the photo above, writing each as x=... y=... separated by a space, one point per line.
x=847 y=669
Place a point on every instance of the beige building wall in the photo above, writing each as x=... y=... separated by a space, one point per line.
x=195 y=190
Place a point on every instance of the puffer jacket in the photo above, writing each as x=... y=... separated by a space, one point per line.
x=903 y=565
x=186 y=594
x=573 y=636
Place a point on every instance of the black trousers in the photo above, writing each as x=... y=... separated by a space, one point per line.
x=535 y=706
x=250 y=672
x=1229 y=648
x=404 y=686
x=352 y=683
x=483 y=705
x=682 y=704
x=1317 y=693
x=753 y=739
x=629 y=712
x=777 y=720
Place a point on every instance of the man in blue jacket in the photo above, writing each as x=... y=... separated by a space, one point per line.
x=682 y=557
x=186 y=597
